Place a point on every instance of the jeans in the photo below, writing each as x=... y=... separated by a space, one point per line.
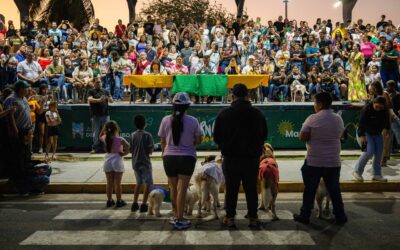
x=41 y=81
x=284 y=88
x=311 y=178
x=98 y=123
x=118 y=86
x=59 y=82
x=396 y=130
x=8 y=76
x=328 y=87
x=245 y=171
x=67 y=90
x=106 y=81
x=375 y=149
x=224 y=64
x=390 y=74
x=312 y=87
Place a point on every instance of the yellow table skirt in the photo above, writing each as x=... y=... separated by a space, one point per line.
x=251 y=81
x=149 y=81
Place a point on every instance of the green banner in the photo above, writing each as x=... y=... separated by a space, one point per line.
x=284 y=123
x=186 y=83
x=213 y=85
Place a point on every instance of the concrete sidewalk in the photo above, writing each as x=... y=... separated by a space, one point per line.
x=87 y=176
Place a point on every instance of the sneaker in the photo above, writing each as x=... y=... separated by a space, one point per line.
x=182 y=224
x=299 y=218
x=144 y=208
x=110 y=203
x=379 y=178
x=92 y=152
x=40 y=151
x=120 y=203
x=229 y=222
x=70 y=101
x=135 y=207
x=357 y=177
x=172 y=220
x=254 y=223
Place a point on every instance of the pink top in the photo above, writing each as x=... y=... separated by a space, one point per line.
x=116 y=145
x=323 y=148
x=367 y=49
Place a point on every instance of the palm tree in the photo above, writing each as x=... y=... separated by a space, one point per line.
x=239 y=6
x=132 y=9
x=28 y=8
x=348 y=6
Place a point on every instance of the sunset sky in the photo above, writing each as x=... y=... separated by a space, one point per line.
x=309 y=10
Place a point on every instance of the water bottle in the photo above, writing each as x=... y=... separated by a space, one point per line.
x=281 y=97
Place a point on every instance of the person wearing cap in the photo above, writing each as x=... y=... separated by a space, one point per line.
x=240 y=132
x=322 y=132
x=179 y=133
x=374 y=120
x=150 y=52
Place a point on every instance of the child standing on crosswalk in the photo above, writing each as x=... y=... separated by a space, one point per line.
x=116 y=148
x=141 y=147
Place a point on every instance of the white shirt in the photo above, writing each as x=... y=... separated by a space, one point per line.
x=29 y=71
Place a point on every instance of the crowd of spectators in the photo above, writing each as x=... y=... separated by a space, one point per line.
x=340 y=58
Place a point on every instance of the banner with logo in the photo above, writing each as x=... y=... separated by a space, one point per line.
x=284 y=123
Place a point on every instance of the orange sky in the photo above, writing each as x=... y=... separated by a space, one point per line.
x=309 y=10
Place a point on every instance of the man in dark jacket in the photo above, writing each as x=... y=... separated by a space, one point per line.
x=240 y=132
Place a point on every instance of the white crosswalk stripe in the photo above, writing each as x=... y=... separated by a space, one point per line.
x=147 y=238
x=125 y=214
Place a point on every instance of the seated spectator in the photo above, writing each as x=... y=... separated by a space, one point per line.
x=83 y=78
x=69 y=80
x=55 y=74
x=31 y=72
x=277 y=83
x=314 y=79
x=44 y=59
x=328 y=84
x=296 y=75
x=342 y=80
x=154 y=68
x=178 y=68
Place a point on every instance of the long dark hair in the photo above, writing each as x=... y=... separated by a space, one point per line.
x=109 y=130
x=178 y=112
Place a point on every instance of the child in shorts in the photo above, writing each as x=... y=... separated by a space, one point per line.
x=116 y=148
x=53 y=121
x=142 y=146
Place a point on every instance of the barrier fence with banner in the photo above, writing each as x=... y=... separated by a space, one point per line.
x=284 y=123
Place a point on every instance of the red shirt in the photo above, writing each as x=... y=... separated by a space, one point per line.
x=43 y=62
x=141 y=67
x=120 y=30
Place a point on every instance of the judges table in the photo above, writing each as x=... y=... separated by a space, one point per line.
x=203 y=85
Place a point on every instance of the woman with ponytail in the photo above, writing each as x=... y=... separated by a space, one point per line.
x=116 y=148
x=179 y=133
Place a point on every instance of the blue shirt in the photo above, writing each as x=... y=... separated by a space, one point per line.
x=166 y=193
x=151 y=55
x=22 y=114
x=19 y=57
x=312 y=60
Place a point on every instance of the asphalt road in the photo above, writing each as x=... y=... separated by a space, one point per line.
x=83 y=222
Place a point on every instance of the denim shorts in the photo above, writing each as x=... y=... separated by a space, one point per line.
x=143 y=175
x=175 y=165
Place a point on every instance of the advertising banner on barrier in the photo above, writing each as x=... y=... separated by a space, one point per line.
x=284 y=123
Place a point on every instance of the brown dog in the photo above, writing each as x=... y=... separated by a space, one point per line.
x=322 y=193
x=268 y=177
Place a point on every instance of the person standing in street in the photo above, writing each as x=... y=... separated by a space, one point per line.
x=240 y=132
x=98 y=99
x=322 y=132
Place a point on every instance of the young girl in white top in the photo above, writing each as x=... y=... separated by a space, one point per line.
x=53 y=120
x=116 y=148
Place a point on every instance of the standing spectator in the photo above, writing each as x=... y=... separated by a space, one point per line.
x=186 y=53
x=395 y=97
x=120 y=29
x=390 y=64
x=56 y=34
x=142 y=146
x=98 y=99
x=151 y=53
x=322 y=132
x=116 y=147
x=53 y=120
x=357 y=90
x=240 y=132
x=374 y=120
x=179 y=133
x=8 y=65
x=367 y=48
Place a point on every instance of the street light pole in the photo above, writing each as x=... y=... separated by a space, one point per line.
x=286 y=8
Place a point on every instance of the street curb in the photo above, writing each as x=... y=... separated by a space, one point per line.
x=284 y=187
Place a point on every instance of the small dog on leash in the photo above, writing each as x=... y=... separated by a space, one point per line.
x=192 y=197
x=298 y=89
x=322 y=193
x=268 y=177
x=207 y=181
x=156 y=197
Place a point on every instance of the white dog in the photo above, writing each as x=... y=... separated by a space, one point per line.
x=208 y=181
x=296 y=88
x=322 y=193
x=156 y=198
x=192 y=197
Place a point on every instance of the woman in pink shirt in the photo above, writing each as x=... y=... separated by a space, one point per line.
x=367 y=48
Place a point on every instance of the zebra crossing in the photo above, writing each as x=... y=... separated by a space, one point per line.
x=155 y=231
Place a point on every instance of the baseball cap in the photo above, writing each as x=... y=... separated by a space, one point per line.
x=21 y=84
x=252 y=57
x=181 y=98
x=240 y=90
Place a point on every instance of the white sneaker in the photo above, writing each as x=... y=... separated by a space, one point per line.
x=40 y=151
x=357 y=177
x=379 y=178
